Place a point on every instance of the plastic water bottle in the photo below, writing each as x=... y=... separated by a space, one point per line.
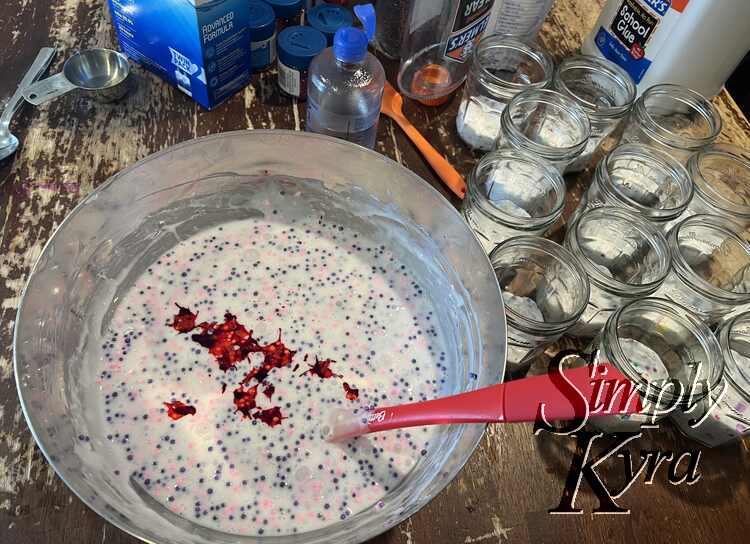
x=345 y=85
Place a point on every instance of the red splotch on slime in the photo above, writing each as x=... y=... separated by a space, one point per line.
x=270 y=417
x=244 y=399
x=352 y=393
x=322 y=369
x=177 y=410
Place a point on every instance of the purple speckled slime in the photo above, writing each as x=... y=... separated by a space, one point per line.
x=334 y=295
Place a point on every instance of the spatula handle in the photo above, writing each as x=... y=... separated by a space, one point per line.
x=439 y=164
x=570 y=394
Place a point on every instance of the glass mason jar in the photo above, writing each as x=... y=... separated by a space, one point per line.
x=670 y=355
x=625 y=258
x=673 y=118
x=501 y=68
x=604 y=91
x=642 y=179
x=710 y=267
x=724 y=416
x=545 y=123
x=721 y=174
x=510 y=193
x=544 y=290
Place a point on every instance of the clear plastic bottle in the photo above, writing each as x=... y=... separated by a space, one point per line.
x=520 y=18
x=345 y=85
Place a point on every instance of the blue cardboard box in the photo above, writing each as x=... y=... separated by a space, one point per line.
x=201 y=46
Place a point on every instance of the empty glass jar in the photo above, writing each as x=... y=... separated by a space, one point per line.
x=545 y=123
x=604 y=91
x=510 y=193
x=673 y=118
x=501 y=68
x=670 y=355
x=710 y=267
x=724 y=416
x=642 y=179
x=544 y=290
x=625 y=258
x=721 y=174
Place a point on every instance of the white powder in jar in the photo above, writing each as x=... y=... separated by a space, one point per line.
x=478 y=122
x=524 y=306
x=511 y=208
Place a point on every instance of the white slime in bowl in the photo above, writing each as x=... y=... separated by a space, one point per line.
x=333 y=295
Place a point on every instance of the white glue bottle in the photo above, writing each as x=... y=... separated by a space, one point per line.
x=345 y=85
x=694 y=43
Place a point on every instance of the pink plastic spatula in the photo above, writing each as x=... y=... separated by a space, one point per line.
x=589 y=391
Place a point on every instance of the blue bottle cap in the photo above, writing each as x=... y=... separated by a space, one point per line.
x=328 y=18
x=349 y=43
x=298 y=45
x=286 y=9
x=262 y=21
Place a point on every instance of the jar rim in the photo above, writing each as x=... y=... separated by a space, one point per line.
x=688 y=97
x=537 y=54
x=600 y=66
x=686 y=273
x=563 y=256
x=546 y=171
x=731 y=366
x=707 y=190
x=607 y=283
x=645 y=154
x=558 y=101
x=677 y=312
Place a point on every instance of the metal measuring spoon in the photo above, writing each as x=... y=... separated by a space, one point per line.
x=102 y=74
x=8 y=142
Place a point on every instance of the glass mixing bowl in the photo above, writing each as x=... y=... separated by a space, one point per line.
x=139 y=214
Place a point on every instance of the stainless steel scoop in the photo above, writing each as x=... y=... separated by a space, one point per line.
x=8 y=142
x=102 y=74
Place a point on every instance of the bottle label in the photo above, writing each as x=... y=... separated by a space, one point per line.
x=470 y=23
x=289 y=79
x=263 y=52
x=632 y=33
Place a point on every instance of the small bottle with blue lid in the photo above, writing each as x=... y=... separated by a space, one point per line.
x=328 y=18
x=262 y=35
x=345 y=88
x=288 y=13
x=297 y=47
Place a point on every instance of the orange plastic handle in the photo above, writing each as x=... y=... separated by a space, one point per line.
x=442 y=167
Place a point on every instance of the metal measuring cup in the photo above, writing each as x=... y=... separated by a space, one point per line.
x=102 y=74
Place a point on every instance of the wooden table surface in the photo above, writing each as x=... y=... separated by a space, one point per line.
x=72 y=145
